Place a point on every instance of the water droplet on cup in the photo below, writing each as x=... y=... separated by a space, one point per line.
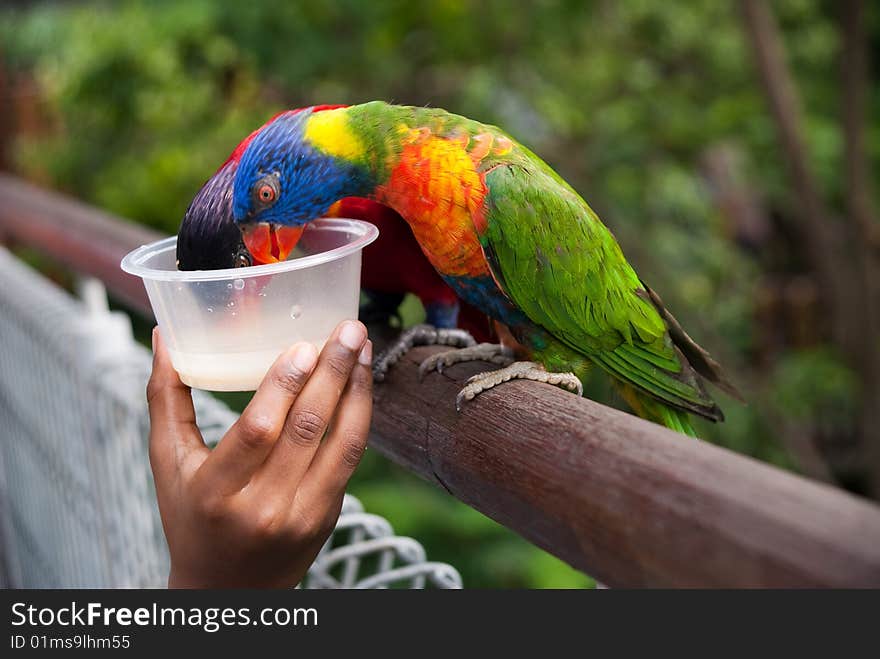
x=210 y=309
x=238 y=284
x=295 y=311
x=230 y=304
x=229 y=286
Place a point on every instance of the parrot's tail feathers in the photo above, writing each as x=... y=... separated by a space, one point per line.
x=677 y=420
x=653 y=410
x=699 y=359
x=681 y=388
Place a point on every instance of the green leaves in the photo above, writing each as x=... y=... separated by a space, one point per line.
x=146 y=102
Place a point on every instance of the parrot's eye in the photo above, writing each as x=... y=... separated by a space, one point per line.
x=242 y=260
x=267 y=193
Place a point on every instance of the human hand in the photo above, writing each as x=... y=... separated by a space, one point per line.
x=255 y=511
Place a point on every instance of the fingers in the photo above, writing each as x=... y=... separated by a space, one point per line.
x=250 y=440
x=311 y=412
x=344 y=446
x=174 y=436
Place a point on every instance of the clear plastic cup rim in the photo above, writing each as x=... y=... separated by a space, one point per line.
x=133 y=262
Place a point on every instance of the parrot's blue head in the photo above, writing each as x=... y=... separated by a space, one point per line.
x=283 y=182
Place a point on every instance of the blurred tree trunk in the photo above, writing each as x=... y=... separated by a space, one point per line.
x=746 y=220
x=843 y=250
x=863 y=226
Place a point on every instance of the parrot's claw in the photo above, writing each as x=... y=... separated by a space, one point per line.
x=486 y=352
x=516 y=371
x=419 y=335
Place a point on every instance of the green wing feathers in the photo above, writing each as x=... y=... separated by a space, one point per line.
x=652 y=409
x=563 y=268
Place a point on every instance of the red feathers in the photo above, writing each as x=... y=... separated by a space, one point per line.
x=395 y=264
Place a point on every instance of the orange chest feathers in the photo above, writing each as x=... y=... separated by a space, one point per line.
x=436 y=187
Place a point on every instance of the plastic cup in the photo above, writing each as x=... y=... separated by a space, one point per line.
x=224 y=328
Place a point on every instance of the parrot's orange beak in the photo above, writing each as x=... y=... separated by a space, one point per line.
x=270 y=243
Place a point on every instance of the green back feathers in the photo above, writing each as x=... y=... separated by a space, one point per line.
x=561 y=266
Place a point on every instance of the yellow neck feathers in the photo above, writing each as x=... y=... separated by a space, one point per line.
x=330 y=132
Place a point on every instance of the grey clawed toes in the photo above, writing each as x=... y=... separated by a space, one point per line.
x=490 y=352
x=379 y=371
x=464 y=349
x=418 y=335
x=432 y=363
x=463 y=396
x=517 y=370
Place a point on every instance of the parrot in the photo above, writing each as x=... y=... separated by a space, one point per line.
x=391 y=267
x=503 y=230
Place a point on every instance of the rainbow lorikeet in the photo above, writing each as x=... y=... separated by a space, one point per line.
x=504 y=230
x=391 y=267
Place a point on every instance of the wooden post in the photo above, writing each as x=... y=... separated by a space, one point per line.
x=75 y=234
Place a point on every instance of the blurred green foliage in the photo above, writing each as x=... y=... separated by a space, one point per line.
x=145 y=99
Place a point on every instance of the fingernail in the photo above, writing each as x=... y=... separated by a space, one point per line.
x=365 y=358
x=155 y=331
x=352 y=335
x=305 y=355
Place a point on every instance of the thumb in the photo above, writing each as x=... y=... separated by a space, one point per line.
x=174 y=436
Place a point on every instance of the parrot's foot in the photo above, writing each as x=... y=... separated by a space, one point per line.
x=419 y=335
x=516 y=371
x=486 y=352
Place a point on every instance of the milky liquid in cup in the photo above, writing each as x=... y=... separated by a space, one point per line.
x=223 y=372
x=237 y=371
x=210 y=364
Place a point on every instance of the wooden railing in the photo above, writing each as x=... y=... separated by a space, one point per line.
x=75 y=234
x=627 y=501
